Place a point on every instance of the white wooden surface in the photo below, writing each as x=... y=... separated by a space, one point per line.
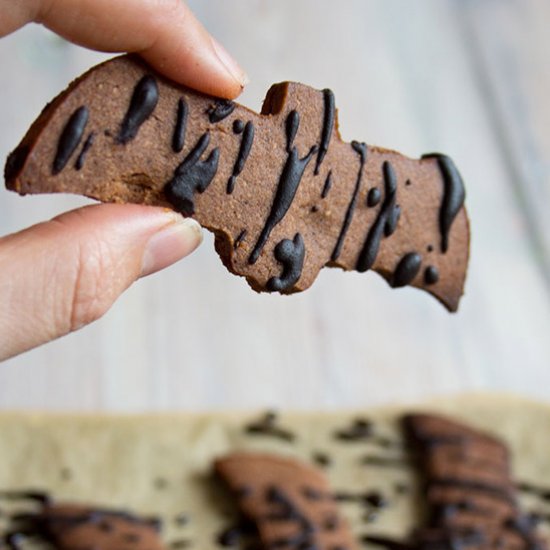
x=467 y=77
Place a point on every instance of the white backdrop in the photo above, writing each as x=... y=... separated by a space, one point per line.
x=416 y=77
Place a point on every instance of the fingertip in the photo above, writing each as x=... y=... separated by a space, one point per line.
x=233 y=68
x=172 y=243
x=187 y=53
x=164 y=32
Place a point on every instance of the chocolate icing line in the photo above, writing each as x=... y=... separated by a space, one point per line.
x=142 y=104
x=238 y=126
x=530 y=488
x=392 y=220
x=70 y=138
x=328 y=125
x=369 y=252
x=373 y=197
x=244 y=151
x=407 y=269
x=79 y=163
x=291 y=126
x=361 y=150
x=289 y=181
x=268 y=426
x=291 y=254
x=178 y=137
x=327 y=185
x=431 y=275
x=221 y=109
x=192 y=175
x=389 y=543
x=497 y=491
x=453 y=195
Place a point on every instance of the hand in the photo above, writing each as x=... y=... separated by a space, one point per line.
x=58 y=276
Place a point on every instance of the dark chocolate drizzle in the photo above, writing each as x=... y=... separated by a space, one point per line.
x=530 y=488
x=79 y=164
x=287 y=510
x=192 y=175
x=244 y=151
x=181 y=520
x=238 y=126
x=370 y=249
x=327 y=185
x=267 y=425
x=373 y=197
x=375 y=499
x=230 y=536
x=431 y=275
x=142 y=104
x=393 y=219
x=70 y=138
x=453 y=195
x=292 y=124
x=328 y=125
x=180 y=127
x=289 y=181
x=322 y=459
x=221 y=109
x=393 y=544
x=407 y=269
x=361 y=150
x=291 y=254
x=362 y=430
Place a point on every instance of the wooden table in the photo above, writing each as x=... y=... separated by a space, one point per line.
x=467 y=77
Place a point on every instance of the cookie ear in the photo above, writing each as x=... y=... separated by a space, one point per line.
x=275 y=99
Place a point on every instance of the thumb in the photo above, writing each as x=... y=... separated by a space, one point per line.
x=58 y=276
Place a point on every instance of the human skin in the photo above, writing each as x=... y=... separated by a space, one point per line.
x=59 y=275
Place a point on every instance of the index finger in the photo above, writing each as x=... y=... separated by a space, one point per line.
x=164 y=32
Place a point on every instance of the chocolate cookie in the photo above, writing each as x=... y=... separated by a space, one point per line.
x=289 y=502
x=284 y=195
x=471 y=495
x=77 y=527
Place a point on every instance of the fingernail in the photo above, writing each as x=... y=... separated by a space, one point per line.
x=230 y=64
x=173 y=242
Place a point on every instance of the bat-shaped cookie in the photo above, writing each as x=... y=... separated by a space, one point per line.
x=472 y=498
x=77 y=527
x=289 y=502
x=284 y=195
